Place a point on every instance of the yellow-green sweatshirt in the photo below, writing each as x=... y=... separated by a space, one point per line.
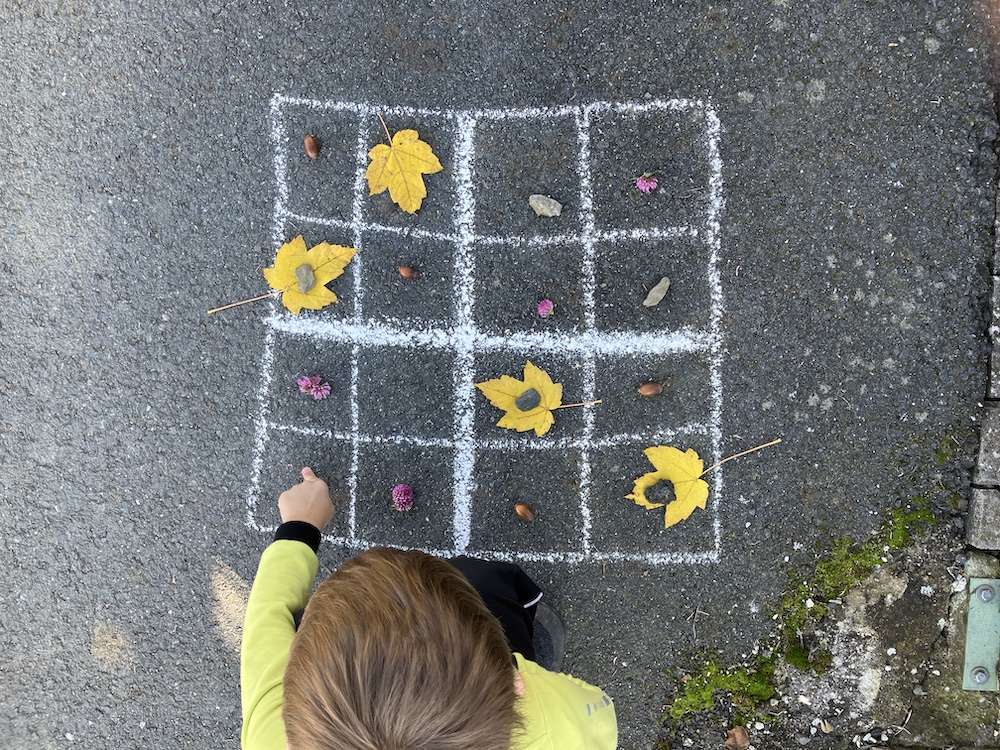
x=559 y=712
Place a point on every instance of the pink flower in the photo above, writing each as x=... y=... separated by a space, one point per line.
x=545 y=308
x=402 y=497
x=314 y=386
x=647 y=182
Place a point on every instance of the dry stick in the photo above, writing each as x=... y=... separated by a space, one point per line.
x=737 y=455
x=582 y=403
x=693 y=617
x=244 y=301
x=386 y=127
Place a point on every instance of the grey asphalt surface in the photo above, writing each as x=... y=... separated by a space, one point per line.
x=859 y=175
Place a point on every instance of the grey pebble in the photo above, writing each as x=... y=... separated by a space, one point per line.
x=305 y=277
x=528 y=400
x=657 y=293
x=543 y=205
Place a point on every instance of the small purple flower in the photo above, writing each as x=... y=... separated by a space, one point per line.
x=545 y=308
x=647 y=182
x=314 y=386
x=402 y=497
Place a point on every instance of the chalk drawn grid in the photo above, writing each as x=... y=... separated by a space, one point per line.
x=463 y=339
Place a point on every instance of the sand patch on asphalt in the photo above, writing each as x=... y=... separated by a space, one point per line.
x=231 y=594
x=112 y=650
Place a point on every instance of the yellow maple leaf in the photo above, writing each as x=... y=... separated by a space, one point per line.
x=528 y=403
x=684 y=470
x=399 y=167
x=302 y=275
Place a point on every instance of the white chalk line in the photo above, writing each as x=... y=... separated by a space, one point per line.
x=589 y=284
x=278 y=136
x=679 y=557
x=586 y=445
x=546 y=443
x=375 y=334
x=713 y=238
x=521 y=113
x=357 y=220
x=598 y=236
x=352 y=479
x=260 y=429
x=463 y=337
x=465 y=352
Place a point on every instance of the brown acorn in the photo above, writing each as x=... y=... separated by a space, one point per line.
x=409 y=272
x=524 y=512
x=311 y=145
x=652 y=388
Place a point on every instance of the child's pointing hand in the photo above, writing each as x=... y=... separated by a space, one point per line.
x=307 y=501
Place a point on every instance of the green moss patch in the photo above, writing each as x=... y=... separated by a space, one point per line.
x=804 y=604
x=747 y=687
x=846 y=566
x=946 y=451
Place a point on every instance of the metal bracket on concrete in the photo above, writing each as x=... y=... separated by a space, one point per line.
x=982 y=636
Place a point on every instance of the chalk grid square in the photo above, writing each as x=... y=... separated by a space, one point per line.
x=466 y=471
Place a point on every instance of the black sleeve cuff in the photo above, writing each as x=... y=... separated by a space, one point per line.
x=299 y=531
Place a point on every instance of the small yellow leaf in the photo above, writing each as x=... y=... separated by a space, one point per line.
x=684 y=470
x=642 y=484
x=399 y=168
x=505 y=391
x=327 y=263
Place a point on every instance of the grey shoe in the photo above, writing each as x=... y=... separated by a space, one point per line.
x=549 y=638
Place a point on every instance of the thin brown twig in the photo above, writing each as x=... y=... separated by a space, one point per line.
x=582 y=403
x=385 y=127
x=245 y=301
x=737 y=455
x=693 y=617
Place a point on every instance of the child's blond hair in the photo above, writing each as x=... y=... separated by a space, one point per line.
x=397 y=651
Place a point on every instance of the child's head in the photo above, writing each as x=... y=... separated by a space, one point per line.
x=396 y=650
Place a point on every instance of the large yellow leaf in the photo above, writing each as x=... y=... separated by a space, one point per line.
x=399 y=167
x=505 y=391
x=684 y=470
x=302 y=275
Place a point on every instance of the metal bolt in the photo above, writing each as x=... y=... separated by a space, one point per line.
x=980 y=675
x=985 y=593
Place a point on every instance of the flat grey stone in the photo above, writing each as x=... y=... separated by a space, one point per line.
x=994 y=376
x=994 y=335
x=543 y=205
x=982 y=528
x=982 y=565
x=996 y=246
x=657 y=293
x=988 y=466
x=995 y=312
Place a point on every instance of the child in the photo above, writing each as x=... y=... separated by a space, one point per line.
x=398 y=651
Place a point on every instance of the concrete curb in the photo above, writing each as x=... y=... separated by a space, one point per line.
x=982 y=528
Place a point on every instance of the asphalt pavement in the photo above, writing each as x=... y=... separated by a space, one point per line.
x=825 y=214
